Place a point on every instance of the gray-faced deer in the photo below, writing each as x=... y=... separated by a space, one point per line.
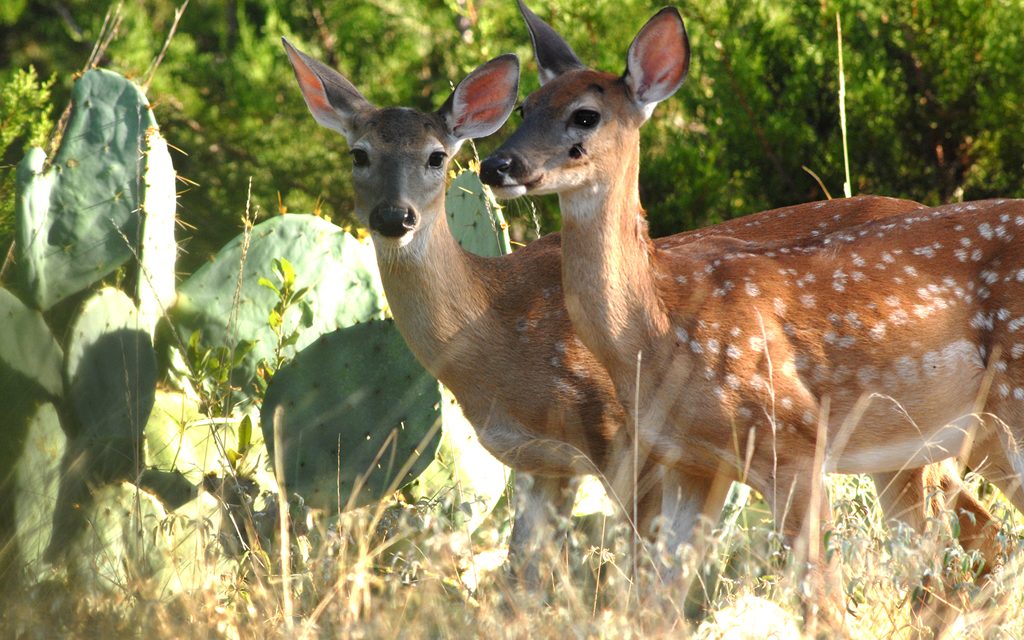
x=904 y=325
x=493 y=330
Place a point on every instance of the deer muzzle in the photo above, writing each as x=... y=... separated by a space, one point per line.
x=393 y=221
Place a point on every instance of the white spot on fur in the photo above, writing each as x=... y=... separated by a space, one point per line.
x=866 y=375
x=878 y=331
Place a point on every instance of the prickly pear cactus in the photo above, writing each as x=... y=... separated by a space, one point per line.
x=356 y=416
x=111 y=382
x=30 y=380
x=78 y=220
x=29 y=498
x=30 y=361
x=463 y=474
x=475 y=218
x=339 y=272
x=155 y=285
x=122 y=546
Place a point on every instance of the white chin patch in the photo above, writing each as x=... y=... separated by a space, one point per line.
x=392 y=243
x=509 y=192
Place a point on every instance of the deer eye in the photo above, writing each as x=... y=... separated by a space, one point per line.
x=360 y=158
x=436 y=159
x=586 y=118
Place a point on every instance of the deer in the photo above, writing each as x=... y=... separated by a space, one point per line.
x=879 y=347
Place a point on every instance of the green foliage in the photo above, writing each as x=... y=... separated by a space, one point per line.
x=933 y=95
x=24 y=110
x=356 y=416
x=928 y=85
x=24 y=122
x=79 y=220
x=158 y=251
x=464 y=477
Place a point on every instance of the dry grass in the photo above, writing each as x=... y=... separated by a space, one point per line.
x=408 y=572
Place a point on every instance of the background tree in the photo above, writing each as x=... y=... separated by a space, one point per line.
x=934 y=89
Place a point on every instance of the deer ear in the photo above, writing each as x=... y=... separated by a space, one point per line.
x=553 y=53
x=333 y=100
x=483 y=100
x=658 y=60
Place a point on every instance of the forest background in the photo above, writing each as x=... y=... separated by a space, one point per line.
x=934 y=90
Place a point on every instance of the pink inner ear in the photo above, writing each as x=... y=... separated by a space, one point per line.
x=487 y=113
x=661 y=53
x=311 y=86
x=484 y=91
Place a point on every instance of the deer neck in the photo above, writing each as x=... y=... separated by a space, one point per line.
x=438 y=295
x=608 y=268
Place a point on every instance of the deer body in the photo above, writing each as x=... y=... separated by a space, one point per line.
x=726 y=349
x=491 y=329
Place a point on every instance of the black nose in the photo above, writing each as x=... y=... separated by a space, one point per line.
x=393 y=221
x=495 y=169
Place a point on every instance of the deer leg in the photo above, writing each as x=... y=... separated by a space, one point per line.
x=916 y=497
x=539 y=502
x=805 y=516
x=686 y=500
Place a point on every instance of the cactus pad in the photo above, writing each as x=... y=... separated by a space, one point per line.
x=464 y=475
x=339 y=272
x=78 y=220
x=159 y=251
x=475 y=218
x=352 y=409
x=111 y=382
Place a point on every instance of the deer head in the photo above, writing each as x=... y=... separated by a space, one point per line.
x=399 y=155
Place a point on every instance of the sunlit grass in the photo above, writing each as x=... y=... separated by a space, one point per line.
x=408 y=571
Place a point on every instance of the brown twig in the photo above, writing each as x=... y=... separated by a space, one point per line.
x=163 y=51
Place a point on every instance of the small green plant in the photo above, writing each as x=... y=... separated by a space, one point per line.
x=288 y=297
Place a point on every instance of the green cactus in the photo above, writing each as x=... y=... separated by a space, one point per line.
x=352 y=411
x=30 y=377
x=159 y=250
x=30 y=362
x=111 y=383
x=29 y=499
x=338 y=272
x=78 y=220
x=122 y=546
x=179 y=438
x=463 y=474
x=475 y=218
